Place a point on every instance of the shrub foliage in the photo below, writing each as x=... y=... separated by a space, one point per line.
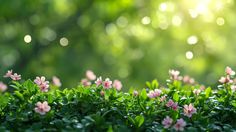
x=93 y=108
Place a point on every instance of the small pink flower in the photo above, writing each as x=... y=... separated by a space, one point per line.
x=233 y=88
x=170 y=103
x=42 y=108
x=180 y=78
x=3 y=87
x=85 y=82
x=42 y=83
x=90 y=75
x=151 y=94
x=174 y=106
x=8 y=74
x=187 y=79
x=102 y=93
x=189 y=110
x=107 y=83
x=196 y=91
x=167 y=122
x=39 y=80
x=155 y=93
x=16 y=77
x=202 y=87
x=174 y=74
x=229 y=71
x=163 y=98
x=135 y=93
x=56 y=81
x=225 y=80
x=98 y=81
x=44 y=87
x=180 y=124
x=117 y=85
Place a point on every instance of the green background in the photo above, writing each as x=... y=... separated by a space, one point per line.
x=131 y=40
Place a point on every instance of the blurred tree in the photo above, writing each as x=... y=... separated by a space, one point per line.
x=130 y=40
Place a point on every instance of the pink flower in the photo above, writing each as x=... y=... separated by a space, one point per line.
x=3 y=87
x=180 y=124
x=225 y=80
x=196 y=91
x=180 y=78
x=155 y=93
x=39 y=80
x=42 y=83
x=117 y=85
x=85 y=82
x=189 y=110
x=151 y=94
x=175 y=106
x=42 y=108
x=202 y=87
x=8 y=74
x=135 y=93
x=163 y=98
x=187 y=79
x=167 y=122
x=90 y=75
x=229 y=71
x=15 y=77
x=107 y=83
x=98 y=81
x=170 y=103
x=56 y=81
x=174 y=74
x=233 y=88
x=44 y=87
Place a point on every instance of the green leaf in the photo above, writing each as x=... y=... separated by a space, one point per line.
x=15 y=85
x=155 y=84
x=110 y=129
x=29 y=85
x=176 y=97
x=143 y=94
x=131 y=119
x=139 y=120
x=208 y=92
x=19 y=95
x=4 y=101
x=149 y=85
x=50 y=98
x=107 y=94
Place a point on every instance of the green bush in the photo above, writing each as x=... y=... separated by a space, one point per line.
x=94 y=108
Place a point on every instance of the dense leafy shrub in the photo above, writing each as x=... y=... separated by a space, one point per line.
x=180 y=105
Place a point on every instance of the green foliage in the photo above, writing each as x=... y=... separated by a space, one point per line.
x=85 y=109
x=134 y=40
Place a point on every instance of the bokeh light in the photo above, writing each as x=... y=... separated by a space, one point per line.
x=189 y=55
x=64 y=41
x=146 y=20
x=192 y=40
x=220 y=21
x=27 y=38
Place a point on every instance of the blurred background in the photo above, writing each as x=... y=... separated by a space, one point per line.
x=131 y=40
